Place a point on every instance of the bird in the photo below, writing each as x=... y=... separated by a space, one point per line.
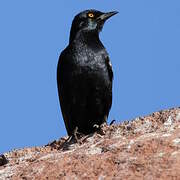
x=85 y=75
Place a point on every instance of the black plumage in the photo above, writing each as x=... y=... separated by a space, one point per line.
x=84 y=75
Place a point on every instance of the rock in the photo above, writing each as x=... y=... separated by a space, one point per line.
x=144 y=148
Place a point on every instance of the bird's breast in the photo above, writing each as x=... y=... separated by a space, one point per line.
x=89 y=63
x=84 y=62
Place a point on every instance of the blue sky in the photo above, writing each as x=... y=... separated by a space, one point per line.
x=143 y=42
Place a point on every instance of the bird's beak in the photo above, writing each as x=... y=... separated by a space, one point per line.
x=106 y=16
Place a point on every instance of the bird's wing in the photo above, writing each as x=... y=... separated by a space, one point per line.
x=109 y=67
x=61 y=91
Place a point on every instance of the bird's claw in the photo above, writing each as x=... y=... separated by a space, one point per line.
x=96 y=126
x=100 y=128
x=76 y=136
x=112 y=122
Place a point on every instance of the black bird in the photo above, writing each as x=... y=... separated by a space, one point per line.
x=84 y=75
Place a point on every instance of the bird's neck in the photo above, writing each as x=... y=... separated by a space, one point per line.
x=85 y=37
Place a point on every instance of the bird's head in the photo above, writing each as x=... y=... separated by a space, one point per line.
x=89 y=21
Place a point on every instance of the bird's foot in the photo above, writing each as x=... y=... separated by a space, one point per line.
x=100 y=128
x=70 y=138
x=96 y=126
x=76 y=137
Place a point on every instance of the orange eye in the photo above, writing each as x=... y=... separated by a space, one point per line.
x=91 y=15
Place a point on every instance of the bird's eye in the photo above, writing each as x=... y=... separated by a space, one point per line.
x=91 y=15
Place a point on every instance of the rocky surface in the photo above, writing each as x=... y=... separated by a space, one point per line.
x=145 y=148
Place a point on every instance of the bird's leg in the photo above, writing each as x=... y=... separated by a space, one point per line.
x=101 y=127
x=75 y=134
x=78 y=138
x=69 y=139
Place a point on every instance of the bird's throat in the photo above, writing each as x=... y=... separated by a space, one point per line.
x=86 y=37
